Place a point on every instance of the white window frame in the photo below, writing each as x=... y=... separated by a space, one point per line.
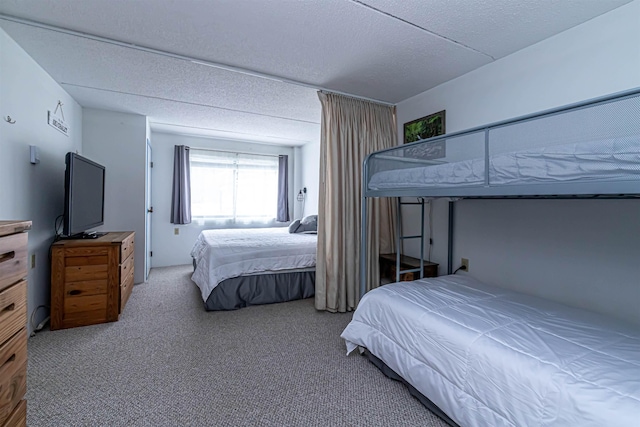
x=237 y=161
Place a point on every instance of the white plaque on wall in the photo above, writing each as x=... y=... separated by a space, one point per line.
x=58 y=123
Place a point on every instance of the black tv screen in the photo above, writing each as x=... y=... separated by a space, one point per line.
x=84 y=195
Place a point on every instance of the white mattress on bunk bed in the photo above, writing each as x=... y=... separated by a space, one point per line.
x=613 y=159
x=222 y=254
x=487 y=356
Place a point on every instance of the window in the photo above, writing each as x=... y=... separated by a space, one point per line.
x=233 y=187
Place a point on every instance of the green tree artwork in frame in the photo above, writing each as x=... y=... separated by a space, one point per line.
x=424 y=128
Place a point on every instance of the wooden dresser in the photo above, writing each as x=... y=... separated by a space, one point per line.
x=91 y=279
x=13 y=322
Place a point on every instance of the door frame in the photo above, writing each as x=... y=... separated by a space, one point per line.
x=148 y=210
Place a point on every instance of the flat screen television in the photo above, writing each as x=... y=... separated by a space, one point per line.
x=83 y=197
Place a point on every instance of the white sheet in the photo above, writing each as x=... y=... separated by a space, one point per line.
x=491 y=357
x=615 y=159
x=222 y=254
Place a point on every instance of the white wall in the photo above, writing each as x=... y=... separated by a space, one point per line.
x=583 y=253
x=310 y=176
x=33 y=192
x=169 y=248
x=118 y=142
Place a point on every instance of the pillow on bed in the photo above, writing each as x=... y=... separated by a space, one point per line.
x=308 y=224
x=294 y=226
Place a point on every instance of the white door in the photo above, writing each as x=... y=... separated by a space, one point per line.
x=149 y=208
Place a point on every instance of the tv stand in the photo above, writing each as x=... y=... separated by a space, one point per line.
x=91 y=279
x=89 y=235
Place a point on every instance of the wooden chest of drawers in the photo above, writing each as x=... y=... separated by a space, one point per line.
x=91 y=279
x=13 y=322
x=388 y=268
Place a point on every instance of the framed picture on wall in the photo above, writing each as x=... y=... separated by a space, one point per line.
x=424 y=128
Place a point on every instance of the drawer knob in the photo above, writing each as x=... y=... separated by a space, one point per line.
x=7 y=256
x=75 y=292
x=10 y=307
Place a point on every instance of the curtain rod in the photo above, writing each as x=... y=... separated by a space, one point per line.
x=355 y=97
x=236 y=152
x=178 y=56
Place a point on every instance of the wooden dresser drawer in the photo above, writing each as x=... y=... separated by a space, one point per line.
x=18 y=417
x=85 y=288
x=85 y=302
x=13 y=259
x=13 y=310
x=13 y=373
x=93 y=267
x=125 y=289
x=85 y=273
x=74 y=319
x=79 y=303
x=13 y=322
x=126 y=250
x=125 y=269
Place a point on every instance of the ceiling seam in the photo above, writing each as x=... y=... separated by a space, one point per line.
x=228 y=131
x=387 y=14
x=188 y=103
x=193 y=60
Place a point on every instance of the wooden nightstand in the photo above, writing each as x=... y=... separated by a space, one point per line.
x=91 y=279
x=388 y=268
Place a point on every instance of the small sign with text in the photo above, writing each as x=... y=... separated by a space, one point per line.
x=58 y=123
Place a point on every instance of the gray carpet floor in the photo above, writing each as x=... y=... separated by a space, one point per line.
x=168 y=362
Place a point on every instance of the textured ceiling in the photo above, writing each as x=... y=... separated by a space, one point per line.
x=138 y=56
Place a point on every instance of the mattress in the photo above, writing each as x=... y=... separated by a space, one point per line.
x=223 y=254
x=488 y=356
x=608 y=160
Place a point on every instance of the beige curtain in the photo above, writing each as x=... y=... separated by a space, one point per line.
x=351 y=129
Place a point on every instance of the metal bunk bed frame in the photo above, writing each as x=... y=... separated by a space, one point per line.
x=564 y=190
x=401 y=237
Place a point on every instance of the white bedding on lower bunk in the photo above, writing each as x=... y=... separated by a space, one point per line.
x=613 y=159
x=222 y=254
x=491 y=357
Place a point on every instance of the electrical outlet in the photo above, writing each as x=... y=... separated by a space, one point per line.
x=33 y=261
x=465 y=263
x=176 y=231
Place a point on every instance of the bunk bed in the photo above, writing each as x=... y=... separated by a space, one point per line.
x=479 y=355
x=235 y=268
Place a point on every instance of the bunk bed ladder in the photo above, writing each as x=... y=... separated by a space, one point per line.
x=400 y=238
